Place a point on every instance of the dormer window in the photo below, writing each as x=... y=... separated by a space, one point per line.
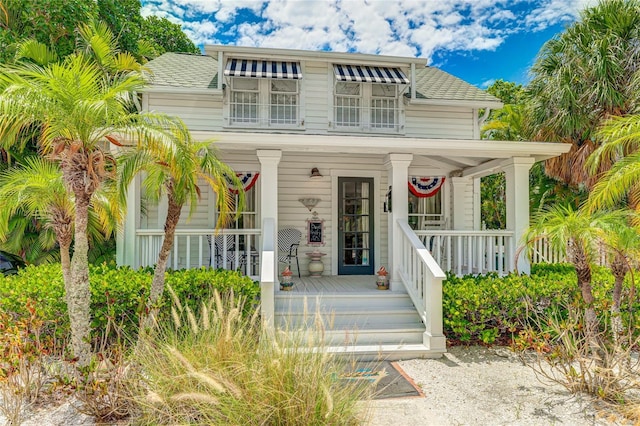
x=263 y=93
x=366 y=98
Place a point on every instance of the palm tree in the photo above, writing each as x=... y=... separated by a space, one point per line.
x=622 y=148
x=575 y=233
x=78 y=106
x=37 y=192
x=580 y=79
x=622 y=241
x=177 y=170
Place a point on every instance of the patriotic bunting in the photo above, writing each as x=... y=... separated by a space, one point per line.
x=423 y=187
x=248 y=179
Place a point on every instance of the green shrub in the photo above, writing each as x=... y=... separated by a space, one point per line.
x=117 y=294
x=488 y=308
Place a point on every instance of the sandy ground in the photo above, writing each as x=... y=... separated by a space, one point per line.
x=468 y=386
x=484 y=386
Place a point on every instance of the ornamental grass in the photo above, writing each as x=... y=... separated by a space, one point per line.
x=218 y=366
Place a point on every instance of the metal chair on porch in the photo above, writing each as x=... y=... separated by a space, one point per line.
x=288 y=242
x=223 y=250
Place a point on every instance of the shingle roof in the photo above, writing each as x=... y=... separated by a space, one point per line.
x=432 y=83
x=183 y=70
x=199 y=71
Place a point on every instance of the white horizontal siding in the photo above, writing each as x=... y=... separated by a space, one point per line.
x=294 y=183
x=316 y=87
x=199 y=112
x=438 y=122
x=205 y=111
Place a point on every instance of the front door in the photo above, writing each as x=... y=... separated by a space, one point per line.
x=355 y=226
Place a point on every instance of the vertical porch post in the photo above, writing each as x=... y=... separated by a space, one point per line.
x=269 y=160
x=462 y=201
x=398 y=173
x=516 y=172
x=126 y=253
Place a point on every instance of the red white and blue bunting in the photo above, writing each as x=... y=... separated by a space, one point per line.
x=423 y=187
x=248 y=179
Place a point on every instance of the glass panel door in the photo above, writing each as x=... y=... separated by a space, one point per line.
x=355 y=226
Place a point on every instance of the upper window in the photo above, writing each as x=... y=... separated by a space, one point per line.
x=367 y=98
x=263 y=93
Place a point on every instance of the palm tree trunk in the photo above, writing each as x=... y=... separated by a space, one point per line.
x=583 y=273
x=619 y=269
x=157 y=284
x=65 y=262
x=79 y=295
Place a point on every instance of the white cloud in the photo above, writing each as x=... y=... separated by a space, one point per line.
x=393 y=27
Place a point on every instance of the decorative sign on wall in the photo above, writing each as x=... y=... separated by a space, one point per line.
x=315 y=232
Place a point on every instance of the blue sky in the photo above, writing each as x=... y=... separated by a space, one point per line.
x=479 y=41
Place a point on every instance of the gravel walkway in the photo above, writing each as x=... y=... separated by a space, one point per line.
x=484 y=386
x=468 y=386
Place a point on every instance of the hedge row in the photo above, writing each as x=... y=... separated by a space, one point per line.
x=483 y=308
x=117 y=293
x=489 y=308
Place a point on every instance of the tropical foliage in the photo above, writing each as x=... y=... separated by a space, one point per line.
x=77 y=107
x=581 y=78
x=621 y=184
x=35 y=193
x=55 y=25
x=177 y=168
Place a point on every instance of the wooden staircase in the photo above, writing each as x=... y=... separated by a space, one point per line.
x=369 y=324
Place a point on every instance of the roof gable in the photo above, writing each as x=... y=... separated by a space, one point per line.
x=184 y=70
x=433 y=83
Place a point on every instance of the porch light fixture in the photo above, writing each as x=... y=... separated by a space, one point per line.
x=315 y=173
x=309 y=203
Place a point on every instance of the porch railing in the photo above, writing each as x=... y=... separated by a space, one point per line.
x=194 y=248
x=541 y=252
x=469 y=252
x=422 y=278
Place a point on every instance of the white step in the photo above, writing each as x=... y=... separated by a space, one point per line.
x=373 y=301
x=362 y=317
x=352 y=320
x=385 y=352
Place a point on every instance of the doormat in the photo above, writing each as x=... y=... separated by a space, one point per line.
x=389 y=379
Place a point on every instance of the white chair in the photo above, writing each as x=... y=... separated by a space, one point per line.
x=288 y=242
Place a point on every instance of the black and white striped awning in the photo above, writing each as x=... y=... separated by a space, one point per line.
x=263 y=69
x=369 y=74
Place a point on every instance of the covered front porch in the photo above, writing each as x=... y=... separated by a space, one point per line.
x=363 y=213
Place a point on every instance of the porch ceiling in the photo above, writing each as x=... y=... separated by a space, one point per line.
x=462 y=152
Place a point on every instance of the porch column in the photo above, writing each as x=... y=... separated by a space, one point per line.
x=126 y=253
x=398 y=175
x=269 y=160
x=462 y=188
x=516 y=172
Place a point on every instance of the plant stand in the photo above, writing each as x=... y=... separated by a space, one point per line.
x=316 y=267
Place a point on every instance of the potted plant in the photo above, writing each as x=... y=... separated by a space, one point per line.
x=383 y=279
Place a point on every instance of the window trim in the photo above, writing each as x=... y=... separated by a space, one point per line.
x=264 y=111
x=366 y=109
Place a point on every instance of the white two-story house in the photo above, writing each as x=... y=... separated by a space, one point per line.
x=366 y=161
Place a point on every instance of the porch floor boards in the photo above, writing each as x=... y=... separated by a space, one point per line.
x=334 y=284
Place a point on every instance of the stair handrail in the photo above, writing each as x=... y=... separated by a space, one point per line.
x=268 y=272
x=422 y=278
